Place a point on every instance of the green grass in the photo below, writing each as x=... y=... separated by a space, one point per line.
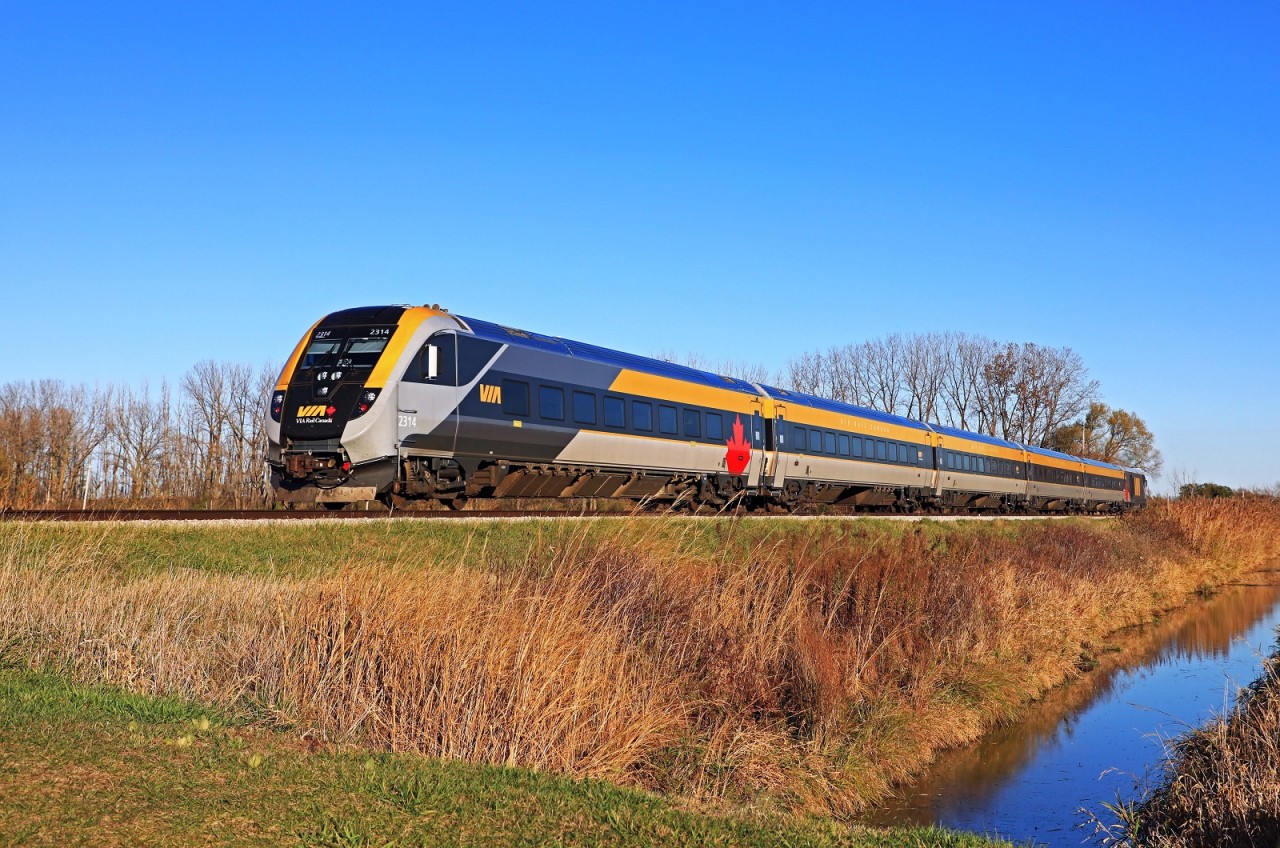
x=99 y=766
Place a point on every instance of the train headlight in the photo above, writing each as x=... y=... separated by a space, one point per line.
x=365 y=403
x=277 y=405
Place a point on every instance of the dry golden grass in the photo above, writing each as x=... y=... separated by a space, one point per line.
x=809 y=665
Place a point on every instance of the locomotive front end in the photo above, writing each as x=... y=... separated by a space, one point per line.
x=331 y=422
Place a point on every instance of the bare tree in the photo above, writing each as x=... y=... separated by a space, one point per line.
x=138 y=429
x=1017 y=392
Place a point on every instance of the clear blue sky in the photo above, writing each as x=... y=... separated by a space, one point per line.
x=188 y=181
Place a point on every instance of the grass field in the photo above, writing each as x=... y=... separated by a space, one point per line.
x=786 y=669
x=98 y=766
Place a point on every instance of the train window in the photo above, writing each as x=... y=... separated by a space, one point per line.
x=829 y=442
x=844 y=445
x=318 y=351
x=584 y=408
x=551 y=402
x=692 y=423
x=715 y=427
x=857 y=446
x=667 y=419
x=799 y=436
x=615 y=412
x=515 y=397
x=441 y=347
x=881 y=449
x=642 y=415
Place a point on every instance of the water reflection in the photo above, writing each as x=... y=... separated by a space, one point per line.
x=1088 y=741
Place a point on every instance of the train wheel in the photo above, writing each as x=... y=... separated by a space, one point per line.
x=457 y=503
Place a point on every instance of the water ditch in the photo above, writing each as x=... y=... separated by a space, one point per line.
x=1092 y=740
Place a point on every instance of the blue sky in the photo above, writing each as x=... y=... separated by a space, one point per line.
x=748 y=181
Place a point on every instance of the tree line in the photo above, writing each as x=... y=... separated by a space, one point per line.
x=1025 y=393
x=201 y=444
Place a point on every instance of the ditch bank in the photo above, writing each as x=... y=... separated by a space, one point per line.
x=736 y=663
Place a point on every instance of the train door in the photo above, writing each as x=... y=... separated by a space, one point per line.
x=776 y=448
x=427 y=414
x=756 y=439
x=938 y=468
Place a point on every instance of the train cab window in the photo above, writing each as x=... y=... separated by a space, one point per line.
x=615 y=412
x=829 y=442
x=982 y=465
x=856 y=446
x=642 y=415
x=800 y=441
x=442 y=349
x=692 y=423
x=815 y=441
x=551 y=402
x=584 y=408
x=715 y=427
x=966 y=462
x=515 y=397
x=881 y=449
x=844 y=445
x=667 y=419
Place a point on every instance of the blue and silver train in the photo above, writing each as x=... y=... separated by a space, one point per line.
x=392 y=403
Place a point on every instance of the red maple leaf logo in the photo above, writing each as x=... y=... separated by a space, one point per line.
x=739 y=453
x=331 y=410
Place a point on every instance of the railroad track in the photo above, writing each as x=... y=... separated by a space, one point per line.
x=288 y=515
x=260 y=514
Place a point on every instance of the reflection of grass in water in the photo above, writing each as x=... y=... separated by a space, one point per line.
x=803 y=665
x=1202 y=629
x=1221 y=782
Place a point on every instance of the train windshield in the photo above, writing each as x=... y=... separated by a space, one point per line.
x=358 y=350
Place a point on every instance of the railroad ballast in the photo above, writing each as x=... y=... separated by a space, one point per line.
x=398 y=402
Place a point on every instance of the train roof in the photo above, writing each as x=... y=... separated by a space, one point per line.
x=1060 y=455
x=843 y=408
x=976 y=437
x=595 y=353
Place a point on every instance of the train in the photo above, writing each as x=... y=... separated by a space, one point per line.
x=401 y=403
